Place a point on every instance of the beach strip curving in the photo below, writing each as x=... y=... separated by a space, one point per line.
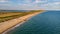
x=5 y=26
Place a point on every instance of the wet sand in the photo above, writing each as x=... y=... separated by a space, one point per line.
x=4 y=26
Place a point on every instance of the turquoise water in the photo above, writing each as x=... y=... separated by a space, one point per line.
x=45 y=23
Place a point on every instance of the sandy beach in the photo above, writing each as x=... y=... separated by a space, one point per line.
x=4 y=26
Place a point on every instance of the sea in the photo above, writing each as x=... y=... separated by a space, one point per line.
x=47 y=22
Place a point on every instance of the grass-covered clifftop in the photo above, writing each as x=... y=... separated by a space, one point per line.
x=5 y=16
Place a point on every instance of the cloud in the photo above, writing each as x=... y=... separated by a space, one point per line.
x=53 y=6
x=28 y=5
x=20 y=7
x=3 y=0
x=40 y=1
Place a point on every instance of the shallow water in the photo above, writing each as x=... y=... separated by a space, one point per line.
x=45 y=23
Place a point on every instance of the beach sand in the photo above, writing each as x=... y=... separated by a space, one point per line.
x=4 y=26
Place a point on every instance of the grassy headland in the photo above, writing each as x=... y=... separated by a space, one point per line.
x=5 y=16
x=23 y=16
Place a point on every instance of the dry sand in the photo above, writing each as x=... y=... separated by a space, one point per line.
x=4 y=26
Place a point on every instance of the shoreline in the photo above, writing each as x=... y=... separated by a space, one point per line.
x=20 y=21
x=16 y=26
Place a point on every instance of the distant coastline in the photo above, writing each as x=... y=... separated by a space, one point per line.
x=15 y=10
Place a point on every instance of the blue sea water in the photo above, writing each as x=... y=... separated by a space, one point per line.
x=44 y=23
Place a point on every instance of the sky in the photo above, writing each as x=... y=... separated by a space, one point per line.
x=30 y=4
